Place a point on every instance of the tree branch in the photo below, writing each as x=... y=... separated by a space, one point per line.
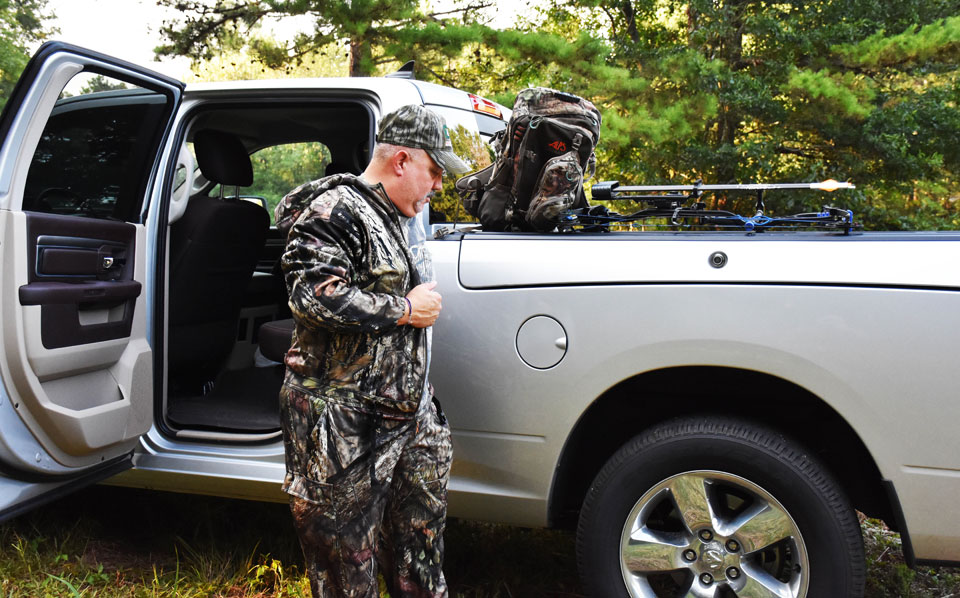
x=782 y=149
x=440 y=77
x=468 y=8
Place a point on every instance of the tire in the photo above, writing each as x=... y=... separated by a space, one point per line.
x=759 y=519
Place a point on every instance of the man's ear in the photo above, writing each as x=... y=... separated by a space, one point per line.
x=399 y=161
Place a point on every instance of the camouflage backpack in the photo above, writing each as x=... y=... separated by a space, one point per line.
x=542 y=157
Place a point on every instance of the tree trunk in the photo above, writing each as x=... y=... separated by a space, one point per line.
x=361 y=63
x=731 y=52
x=626 y=8
x=692 y=15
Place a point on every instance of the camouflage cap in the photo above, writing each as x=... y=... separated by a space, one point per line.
x=419 y=127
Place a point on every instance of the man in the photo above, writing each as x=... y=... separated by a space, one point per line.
x=367 y=449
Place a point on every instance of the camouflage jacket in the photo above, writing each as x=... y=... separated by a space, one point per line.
x=347 y=268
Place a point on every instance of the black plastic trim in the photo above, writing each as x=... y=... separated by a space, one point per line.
x=724 y=235
x=901 y=523
x=908 y=555
x=79 y=293
x=713 y=283
x=935 y=563
x=70 y=485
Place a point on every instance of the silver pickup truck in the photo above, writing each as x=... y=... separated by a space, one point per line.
x=706 y=409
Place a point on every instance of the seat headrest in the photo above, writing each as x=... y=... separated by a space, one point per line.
x=336 y=168
x=222 y=158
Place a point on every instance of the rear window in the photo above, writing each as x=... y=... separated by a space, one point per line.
x=470 y=134
x=477 y=122
x=279 y=169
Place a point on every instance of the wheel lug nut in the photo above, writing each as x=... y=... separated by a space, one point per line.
x=706 y=535
x=706 y=579
x=732 y=546
x=689 y=555
x=733 y=573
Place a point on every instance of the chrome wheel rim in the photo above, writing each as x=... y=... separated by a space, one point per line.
x=710 y=534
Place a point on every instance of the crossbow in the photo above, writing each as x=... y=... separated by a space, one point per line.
x=681 y=206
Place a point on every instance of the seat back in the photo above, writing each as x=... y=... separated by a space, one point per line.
x=214 y=249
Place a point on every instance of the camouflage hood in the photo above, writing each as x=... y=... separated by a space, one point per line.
x=294 y=203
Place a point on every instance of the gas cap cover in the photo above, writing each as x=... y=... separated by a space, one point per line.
x=541 y=342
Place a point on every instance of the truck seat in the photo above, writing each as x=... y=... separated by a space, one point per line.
x=214 y=249
x=275 y=339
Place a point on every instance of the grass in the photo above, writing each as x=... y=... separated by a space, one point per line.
x=114 y=542
x=889 y=577
x=118 y=543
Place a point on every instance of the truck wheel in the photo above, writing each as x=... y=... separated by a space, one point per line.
x=717 y=508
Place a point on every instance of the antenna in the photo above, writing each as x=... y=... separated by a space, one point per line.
x=404 y=72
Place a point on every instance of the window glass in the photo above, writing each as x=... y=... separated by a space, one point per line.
x=472 y=144
x=279 y=169
x=97 y=150
x=179 y=177
x=475 y=122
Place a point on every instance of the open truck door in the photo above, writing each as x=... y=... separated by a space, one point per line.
x=81 y=137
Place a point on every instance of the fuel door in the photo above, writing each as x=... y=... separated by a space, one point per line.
x=541 y=342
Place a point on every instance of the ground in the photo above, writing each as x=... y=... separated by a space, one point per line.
x=115 y=542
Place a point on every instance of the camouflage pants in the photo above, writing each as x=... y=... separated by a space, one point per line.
x=377 y=503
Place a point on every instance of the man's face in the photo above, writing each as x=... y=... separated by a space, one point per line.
x=421 y=177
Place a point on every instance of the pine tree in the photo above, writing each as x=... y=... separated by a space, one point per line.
x=737 y=90
x=362 y=28
x=719 y=90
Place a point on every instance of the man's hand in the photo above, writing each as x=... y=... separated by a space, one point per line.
x=426 y=305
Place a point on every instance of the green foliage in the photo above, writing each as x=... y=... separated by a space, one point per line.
x=247 y=63
x=719 y=90
x=743 y=90
x=279 y=169
x=844 y=95
x=915 y=45
x=21 y=23
x=887 y=574
x=364 y=28
x=101 y=83
x=723 y=90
